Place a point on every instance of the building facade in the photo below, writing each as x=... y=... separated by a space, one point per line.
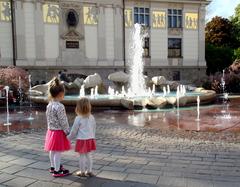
x=87 y=36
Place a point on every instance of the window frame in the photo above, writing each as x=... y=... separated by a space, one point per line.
x=177 y=15
x=142 y=16
x=175 y=48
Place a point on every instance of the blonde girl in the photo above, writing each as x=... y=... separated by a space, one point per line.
x=83 y=130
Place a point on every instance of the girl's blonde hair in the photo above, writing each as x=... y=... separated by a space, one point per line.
x=83 y=107
x=55 y=87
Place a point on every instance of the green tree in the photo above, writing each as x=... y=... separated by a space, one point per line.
x=235 y=19
x=218 y=58
x=237 y=53
x=219 y=32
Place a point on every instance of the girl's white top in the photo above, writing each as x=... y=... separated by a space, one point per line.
x=56 y=116
x=83 y=128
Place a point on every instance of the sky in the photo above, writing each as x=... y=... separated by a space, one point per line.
x=223 y=8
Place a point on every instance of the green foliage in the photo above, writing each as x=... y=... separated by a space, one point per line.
x=235 y=19
x=237 y=53
x=218 y=58
x=219 y=32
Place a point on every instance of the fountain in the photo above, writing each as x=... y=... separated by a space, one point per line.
x=137 y=81
x=198 y=109
x=168 y=89
x=20 y=95
x=30 y=100
x=7 y=123
x=96 y=91
x=223 y=82
x=225 y=110
x=82 y=91
x=177 y=97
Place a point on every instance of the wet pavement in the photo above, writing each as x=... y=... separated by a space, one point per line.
x=212 y=118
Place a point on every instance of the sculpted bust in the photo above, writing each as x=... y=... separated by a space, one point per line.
x=72 y=18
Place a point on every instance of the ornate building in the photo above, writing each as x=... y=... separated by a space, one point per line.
x=87 y=36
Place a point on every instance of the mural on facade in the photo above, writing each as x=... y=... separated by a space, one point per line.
x=90 y=15
x=158 y=19
x=128 y=18
x=5 y=11
x=51 y=13
x=191 y=20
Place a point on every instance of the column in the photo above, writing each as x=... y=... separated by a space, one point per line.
x=101 y=35
x=201 y=36
x=39 y=31
x=118 y=36
x=20 y=31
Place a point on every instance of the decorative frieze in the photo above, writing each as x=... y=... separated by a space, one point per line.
x=128 y=13
x=90 y=15
x=51 y=13
x=5 y=11
x=191 y=21
x=158 y=19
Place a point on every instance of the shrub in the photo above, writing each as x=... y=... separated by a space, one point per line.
x=10 y=77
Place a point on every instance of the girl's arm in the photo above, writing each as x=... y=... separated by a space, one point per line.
x=63 y=121
x=74 y=129
x=94 y=126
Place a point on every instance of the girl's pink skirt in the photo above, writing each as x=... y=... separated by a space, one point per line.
x=85 y=146
x=56 y=140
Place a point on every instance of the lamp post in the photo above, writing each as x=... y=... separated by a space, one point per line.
x=13 y=32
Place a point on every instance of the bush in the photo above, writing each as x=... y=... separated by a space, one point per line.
x=10 y=77
x=237 y=53
x=218 y=58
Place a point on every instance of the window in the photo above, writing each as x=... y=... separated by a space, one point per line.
x=174 y=18
x=174 y=47
x=141 y=16
x=146 y=47
x=176 y=75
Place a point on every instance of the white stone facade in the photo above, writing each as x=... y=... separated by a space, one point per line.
x=41 y=36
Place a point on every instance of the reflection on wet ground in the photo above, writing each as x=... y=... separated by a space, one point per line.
x=212 y=118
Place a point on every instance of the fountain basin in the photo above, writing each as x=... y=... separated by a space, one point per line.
x=156 y=101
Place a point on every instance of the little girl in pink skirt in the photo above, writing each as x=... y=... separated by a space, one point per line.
x=56 y=141
x=83 y=130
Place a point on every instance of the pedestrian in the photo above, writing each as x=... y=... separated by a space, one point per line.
x=56 y=137
x=83 y=130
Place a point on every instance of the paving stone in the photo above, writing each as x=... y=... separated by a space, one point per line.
x=66 y=180
x=5 y=177
x=4 y=165
x=40 y=165
x=8 y=158
x=44 y=184
x=109 y=168
x=13 y=169
x=19 y=182
x=35 y=174
x=133 y=170
x=151 y=179
x=199 y=183
x=154 y=172
x=112 y=175
x=23 y=161
x=30 y=156
x=225 y=184
x=170 y=181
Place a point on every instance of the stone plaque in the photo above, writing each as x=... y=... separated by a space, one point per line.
x=72 y=44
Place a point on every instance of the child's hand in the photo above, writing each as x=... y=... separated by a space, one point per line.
x=66 y=133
